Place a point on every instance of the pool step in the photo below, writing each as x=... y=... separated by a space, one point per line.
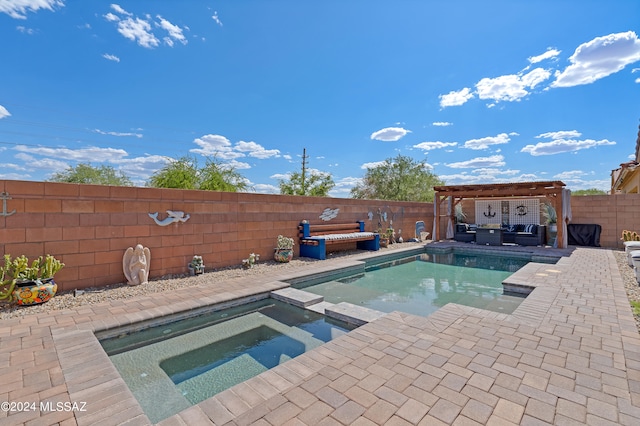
x=296 y=297
x=352 y=314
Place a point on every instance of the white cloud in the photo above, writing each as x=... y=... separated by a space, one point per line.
x=5 y=166
x=563 y=141
x=428 y=146
x=280 y=176
x=287 y=157
x=493 y=161
x=570 y=174
x=138 y=30
x=372 y=165
x=637 y=80
x=238 y=165
x=82 y=154
x=120 y=10
x=511 y=87
x=256 y=150
x=343 y=187
x=389 y=134
x=18 y=9
x=109 y=57
x=4 y=113
x=175 y=32
x=549 y=54
x=599 y=58
x=454 y=98
x=142 y=167
x=111 y=17
x=216 y=19
x=215 y=145
x=49 y=164
x=263 y=188
x=25 y=30
x=119 y=134
x=442 y=124
x=484 y=143
x=562 y=134
x=488 y=175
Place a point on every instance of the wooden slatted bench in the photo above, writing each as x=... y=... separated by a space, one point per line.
x=315 y=238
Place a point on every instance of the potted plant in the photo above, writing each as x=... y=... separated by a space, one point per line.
x=551 y=218
x=31 y=284
x=196 y=266
x=284 y=250
x=386 y=237
x=549 y=213
x=459 y=214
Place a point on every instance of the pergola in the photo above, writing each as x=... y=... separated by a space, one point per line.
x=552 y=190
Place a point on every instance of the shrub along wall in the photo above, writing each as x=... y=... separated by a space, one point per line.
x=89 y=227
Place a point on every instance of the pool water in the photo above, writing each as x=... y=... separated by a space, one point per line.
x=420 y=285
x=171 y=367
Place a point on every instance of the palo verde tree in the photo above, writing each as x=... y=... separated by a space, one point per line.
x=307 y=182
x=86 y=173
x=401 y=179
x=184 y=173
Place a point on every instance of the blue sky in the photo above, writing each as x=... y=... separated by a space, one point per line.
x=484 y=91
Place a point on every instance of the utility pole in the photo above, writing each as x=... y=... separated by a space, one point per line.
x=304 y=171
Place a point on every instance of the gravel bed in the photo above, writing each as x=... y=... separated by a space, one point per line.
x=629 y=278
x=92 y=296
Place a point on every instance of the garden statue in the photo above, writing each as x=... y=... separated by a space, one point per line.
x=135 y=264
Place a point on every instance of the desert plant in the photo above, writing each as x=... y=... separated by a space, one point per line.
x=7 y=282
x=49 y=267
x=549 y=213
x=285 y=243
x=630 y=236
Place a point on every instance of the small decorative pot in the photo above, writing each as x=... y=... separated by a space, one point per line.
x=28 y=293
x=195 y=271
x=283 y=255
x=384 y=242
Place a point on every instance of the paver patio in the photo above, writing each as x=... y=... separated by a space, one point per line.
x=570 y=354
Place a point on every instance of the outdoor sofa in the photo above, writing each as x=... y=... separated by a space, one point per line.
x=522 y=235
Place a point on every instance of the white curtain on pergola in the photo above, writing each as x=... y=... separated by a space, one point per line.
x=435 y=215
x=450 y=233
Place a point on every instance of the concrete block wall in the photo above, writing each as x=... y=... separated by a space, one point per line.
x=614 y=213
x=89 y=227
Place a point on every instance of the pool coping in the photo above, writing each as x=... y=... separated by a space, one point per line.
x=562 y=323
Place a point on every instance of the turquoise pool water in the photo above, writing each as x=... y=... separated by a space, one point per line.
x=171 y=367
x=422 y=284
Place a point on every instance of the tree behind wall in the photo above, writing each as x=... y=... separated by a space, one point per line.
x=88 y=174
x=184 y=173
x=401 y=178
x=312 y=183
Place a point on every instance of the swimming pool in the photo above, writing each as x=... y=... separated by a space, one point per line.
x=424 y=283
x=169 y=368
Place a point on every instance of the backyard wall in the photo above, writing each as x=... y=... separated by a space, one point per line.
x=89 y=227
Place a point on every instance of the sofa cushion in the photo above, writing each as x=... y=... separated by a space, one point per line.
x=512 y=228
x=462 y=227
x=532 y=229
